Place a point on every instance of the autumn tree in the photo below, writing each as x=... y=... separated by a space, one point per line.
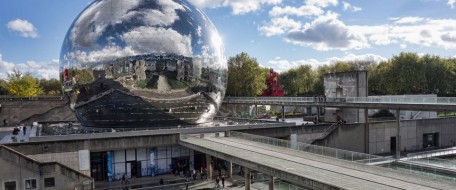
x=245 y=76
x=19 y=84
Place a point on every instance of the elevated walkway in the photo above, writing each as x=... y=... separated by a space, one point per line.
x=403 y=103
x=310 y=170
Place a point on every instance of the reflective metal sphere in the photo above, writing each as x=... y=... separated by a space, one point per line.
x=143 y=63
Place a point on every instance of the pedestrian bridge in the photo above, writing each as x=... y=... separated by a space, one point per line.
x=403 y=103
x=307 y=165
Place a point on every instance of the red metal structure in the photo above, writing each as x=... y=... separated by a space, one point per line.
x=272 y=81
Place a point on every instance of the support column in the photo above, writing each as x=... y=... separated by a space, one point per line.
x=209 y=166
x=247 y=178
x=271 y=183
x=366 y=131
x=283 y=113
x=256 y=110
x=229 y=169
x=398 y=135
x=318 y=114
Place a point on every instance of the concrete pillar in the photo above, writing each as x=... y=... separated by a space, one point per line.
x=271 y=183
x=209 y=166
x=229 y=169
x=283 y=113
x=294 y=141
x=318 y=114
x=247 y=178
x=366 y=131
x=256 y=110
x=398 y=135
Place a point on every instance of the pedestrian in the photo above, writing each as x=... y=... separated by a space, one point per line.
x=25 y=130
x=217 y=180
x=161 y=181
x=124 y=176
x=194 y=175
x=223 y=180
x=186 y=183
x=5 y=122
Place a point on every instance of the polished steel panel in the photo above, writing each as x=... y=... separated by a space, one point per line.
x=143 y=63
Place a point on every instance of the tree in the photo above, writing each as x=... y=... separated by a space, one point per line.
x=19 y=84
x=298 y=81
x=3 y=89
x=245 y=76
x=51 y=86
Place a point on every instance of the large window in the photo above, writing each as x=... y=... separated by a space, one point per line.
x=10 y=185
x=30 y=184
x=49 y=182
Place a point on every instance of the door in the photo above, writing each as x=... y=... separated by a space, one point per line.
x=393 y=144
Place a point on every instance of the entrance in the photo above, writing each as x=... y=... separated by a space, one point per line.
x=98 y=165
x=430 y=140
x=393 y=144
x=132 y=169
x=180 y=165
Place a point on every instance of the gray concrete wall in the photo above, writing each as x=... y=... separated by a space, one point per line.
x=70 y=159
x=101 y=144
x=411 y=133
x=346 y=137
x=346 y=84
x=15 y=110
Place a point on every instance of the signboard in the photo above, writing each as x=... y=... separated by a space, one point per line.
x=84 y=160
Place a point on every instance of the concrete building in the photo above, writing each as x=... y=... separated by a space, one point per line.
x=38 y=175
x=346 y=84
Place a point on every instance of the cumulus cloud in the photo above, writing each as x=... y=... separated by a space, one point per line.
x=159 y=40
x=327 y=32
x=94 y=21
x=451 y=3
x=305 y=10
x=322 y=3
x=24 y=27
x=238 y=6
x=282 y=65
x=407 y=20
x=348 y=7
x=279 y=25
x=411 y=30
x=37 y=69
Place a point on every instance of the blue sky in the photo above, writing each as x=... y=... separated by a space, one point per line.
x=281 y=34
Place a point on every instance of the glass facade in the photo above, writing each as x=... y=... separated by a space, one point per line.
x=145 y=162
x=143 y=63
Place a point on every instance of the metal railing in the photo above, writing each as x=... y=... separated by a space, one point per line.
x=32 y=98
x=320 y=150
x=385 y=100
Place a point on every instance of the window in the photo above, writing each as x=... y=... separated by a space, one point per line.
x=49 y=182
x=30 y=184
x=10 y=185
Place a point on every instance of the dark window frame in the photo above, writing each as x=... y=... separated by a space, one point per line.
x=7 y=182
x=48 y=183
x=32 y=184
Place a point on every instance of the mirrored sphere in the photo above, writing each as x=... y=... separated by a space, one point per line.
x=141 y=63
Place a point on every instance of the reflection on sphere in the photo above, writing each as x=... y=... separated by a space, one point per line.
x=143 y=63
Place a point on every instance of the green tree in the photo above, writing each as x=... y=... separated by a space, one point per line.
x=298 y=81
x=245 y=76
x=51 y=86
x=22 y=84
x=3 y=89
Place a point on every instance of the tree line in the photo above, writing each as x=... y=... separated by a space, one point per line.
x=19 y=84
x=406 y=73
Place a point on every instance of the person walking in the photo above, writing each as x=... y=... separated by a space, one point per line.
x=217 y=180
x=161 y=181
x=223 y=180
x=24 y=130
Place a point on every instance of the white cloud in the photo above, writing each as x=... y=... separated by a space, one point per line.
x=305 y=10
x=407 y=20
x=451 y=3
x=327 y=32
x=281 y=65
x=412 y=30
x=322 y=3
x=24 y=27
x=238 y=6
x=349 y=7
x=279 y=25
x=37 y=69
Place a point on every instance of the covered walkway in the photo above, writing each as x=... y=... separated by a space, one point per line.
x=310 y=170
